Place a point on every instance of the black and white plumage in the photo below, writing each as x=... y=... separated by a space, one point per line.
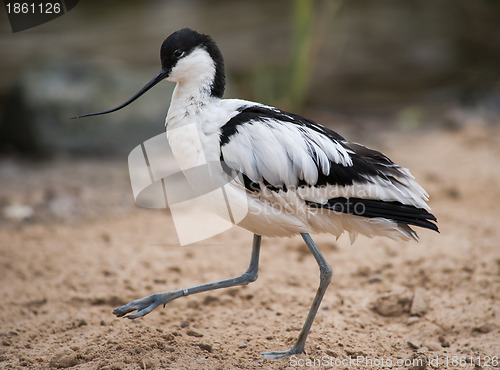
x=287 y=158
x=295 y=176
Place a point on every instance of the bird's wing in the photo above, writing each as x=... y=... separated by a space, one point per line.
x=282 y=149
x=285 y=152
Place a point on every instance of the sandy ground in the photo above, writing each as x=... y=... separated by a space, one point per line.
x=75 y=247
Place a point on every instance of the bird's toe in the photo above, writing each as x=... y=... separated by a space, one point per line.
x=123 y=310
x=143 y=306
x=280 y=354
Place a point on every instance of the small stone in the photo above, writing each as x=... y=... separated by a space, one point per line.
x=63 y=359
x=331 y=353
x=375 y=279
x=419 y=304
x=243 y=345
x=412 y=320
x=391 y=304
x=194 y=333
x=443 y=341
x=483 y=329
x=413 y=344
x=354 y=352
x=205 y=347
x=184 y=324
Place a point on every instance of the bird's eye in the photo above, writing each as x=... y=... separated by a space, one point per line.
x=178 y=53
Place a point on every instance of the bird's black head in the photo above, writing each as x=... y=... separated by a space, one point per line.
x=182 y=43
x=180 y=55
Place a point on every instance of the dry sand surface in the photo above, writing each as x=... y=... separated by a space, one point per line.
x=74 y=247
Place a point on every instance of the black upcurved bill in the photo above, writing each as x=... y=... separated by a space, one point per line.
x=159 y=77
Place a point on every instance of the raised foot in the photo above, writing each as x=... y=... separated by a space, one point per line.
x=145 y=305
x=280 y=354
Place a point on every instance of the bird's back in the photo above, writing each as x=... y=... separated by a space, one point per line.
x=300 y=176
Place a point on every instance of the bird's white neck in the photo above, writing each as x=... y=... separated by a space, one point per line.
x=195 y=76
x=188 y=122
x=188 y=102
x=194 y=115
x=188 y=94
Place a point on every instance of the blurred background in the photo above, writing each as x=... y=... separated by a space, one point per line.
x=352 y=64
x=362 y=68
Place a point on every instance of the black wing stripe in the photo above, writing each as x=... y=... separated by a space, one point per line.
x=338 y=174
x=371 y=208
x=248 y=114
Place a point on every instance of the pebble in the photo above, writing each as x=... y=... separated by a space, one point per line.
x=354 y=352
x=375 y=279
x=194 y=333
x=210 y=299
x=483 y=329
x=413 y=344
x=419 y=304
x=63 y=359
x=444 y=343
x=391 y=304
x=80 y=323
x=412 y=320
x=205 y=347
x=243 y=345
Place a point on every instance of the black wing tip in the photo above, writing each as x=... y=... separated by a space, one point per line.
x=429 y=225
x=426 y=220
x=429 y=220
x=372 y=208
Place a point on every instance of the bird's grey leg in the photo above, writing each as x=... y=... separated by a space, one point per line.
x=145 y=305
x=325 y=278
